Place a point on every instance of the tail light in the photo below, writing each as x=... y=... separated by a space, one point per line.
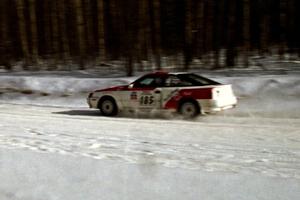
x=216 y=93
x=224 y=91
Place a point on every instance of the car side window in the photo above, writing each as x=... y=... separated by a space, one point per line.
x=149 y=81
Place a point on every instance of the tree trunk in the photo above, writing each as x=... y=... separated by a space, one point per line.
x=231 y=51
x=55 y=33
x=282 y=44
x=101 y=30
x=63 y=30
x=200 y=28
x=216 y=27
x=5 y=43
x=142 y=33
x=33 y=29
x=90 y=40
x=129 y=66
x=47 y=29
x=291 y=28
x=147 y=26
x=188 y=35
x=264 y=39
x=115 y=42
x=246 y=32
x=80 y=33
x=157 y=33
x=23 y=32
x=128 y=35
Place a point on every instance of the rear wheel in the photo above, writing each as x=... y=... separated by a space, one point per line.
x=108 y=107
x=189 y=109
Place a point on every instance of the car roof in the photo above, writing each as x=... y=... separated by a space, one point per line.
x=163 y=73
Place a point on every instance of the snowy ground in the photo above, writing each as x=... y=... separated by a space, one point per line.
x=53 y=147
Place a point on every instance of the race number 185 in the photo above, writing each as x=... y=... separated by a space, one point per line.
x=146 y=100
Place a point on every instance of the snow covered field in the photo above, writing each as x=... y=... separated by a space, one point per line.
x=53 y=147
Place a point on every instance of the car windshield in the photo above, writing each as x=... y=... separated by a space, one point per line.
x=148 y=81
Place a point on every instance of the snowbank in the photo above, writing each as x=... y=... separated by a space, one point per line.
x=56 y=85
x=52 y=90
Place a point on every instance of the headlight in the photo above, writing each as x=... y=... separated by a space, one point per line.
x=90 y=95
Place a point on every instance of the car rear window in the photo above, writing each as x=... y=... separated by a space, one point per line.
x=196 y=80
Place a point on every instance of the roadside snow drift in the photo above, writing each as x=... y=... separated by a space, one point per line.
x=269 y=95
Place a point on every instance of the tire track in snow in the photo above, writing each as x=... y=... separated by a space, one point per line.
x=205 y=156
x=217 y=153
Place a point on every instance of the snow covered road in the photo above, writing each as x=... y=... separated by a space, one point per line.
x=268 y=146
x=53 y=148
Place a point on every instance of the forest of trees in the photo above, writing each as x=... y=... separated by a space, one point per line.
x=217 y=32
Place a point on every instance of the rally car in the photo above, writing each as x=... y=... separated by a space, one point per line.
x=186 y=93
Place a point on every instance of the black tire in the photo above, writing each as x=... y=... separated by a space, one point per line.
x=189 y=109
x=108 y=106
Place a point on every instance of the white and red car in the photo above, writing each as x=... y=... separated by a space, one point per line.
x=186 y=93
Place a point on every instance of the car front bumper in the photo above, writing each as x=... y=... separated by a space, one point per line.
x=92 y=102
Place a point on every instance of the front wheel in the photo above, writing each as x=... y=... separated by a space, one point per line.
x=108 y=107
x=189 y=109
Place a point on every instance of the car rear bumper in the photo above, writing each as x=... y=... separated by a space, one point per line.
x=208 y=106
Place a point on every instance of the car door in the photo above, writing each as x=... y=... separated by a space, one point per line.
x=145 y=94
x=171 y=89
